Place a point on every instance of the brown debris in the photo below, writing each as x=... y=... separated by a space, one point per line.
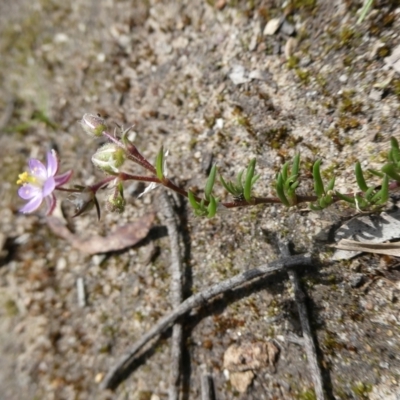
x=122 y=237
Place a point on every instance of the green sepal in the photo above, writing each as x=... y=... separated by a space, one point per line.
x=160 y=164
x=318 y=184
x=210 y=182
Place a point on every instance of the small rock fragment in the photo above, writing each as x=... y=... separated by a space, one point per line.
x=239 y=75
x=272 y=26
x=290 y=47
x=241 y=380
x=375 y=94
x=394 y=59
x=259 y=75
x=356 y=280
x=287 y=28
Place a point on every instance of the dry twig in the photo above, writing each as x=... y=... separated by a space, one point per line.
x=207 y=387
x=115 y=375
x=307 y=340
x=176 y=293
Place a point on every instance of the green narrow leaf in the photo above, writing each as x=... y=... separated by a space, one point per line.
x=248 y=181
x=376 y=173
x=365 y=9
x=239 y=183
x=360 y=177
x=160 y=164
x=391 y=170
x=285 y=171
x=224 y=184
x=280 y=191
x=345 y=198
x=331 y=185
x=192 y=201
x=383 y=195
x=212 y=207
x=296 y=165
x=318 y=185
x=394 y=152
x=210 y=182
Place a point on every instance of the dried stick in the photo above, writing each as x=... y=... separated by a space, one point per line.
x=115 y=375
x=307 y=340
x=176 y=293
x=207 y=387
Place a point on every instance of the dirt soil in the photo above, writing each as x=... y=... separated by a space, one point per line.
x=201 y=79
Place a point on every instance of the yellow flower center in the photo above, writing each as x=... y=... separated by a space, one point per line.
x=26 y=178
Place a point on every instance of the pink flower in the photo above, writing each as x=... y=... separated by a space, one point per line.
x=39 y=183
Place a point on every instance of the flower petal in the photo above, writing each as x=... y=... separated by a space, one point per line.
x=29 y=191
x=63 y=178
x=37 y=169
x=49 y=186
x=50 y=204
x=32 y=205
x=52 y=163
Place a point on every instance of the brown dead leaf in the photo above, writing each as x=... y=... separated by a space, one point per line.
x=121 y=238
x=391 y=249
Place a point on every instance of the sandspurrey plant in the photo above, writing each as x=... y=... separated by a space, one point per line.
x=40 y=182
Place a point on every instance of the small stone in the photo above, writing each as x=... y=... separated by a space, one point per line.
x=343 y=78
x=356 y=280
x=241 y=380
x=287 y=28
x=290 y=47
x=239 y=75
x=259 y=75
x=394 y=59
x=375 y=94
x=272 y=26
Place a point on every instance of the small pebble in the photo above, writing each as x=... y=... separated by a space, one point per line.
x=356 y=280
x=272 y=26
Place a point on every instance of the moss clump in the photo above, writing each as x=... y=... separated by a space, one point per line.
x=303 y=75
x=349 y=105
x=361 y=390
x=308 y=394
x=347 y=123
x=11 y=308
x=396 y=87
x=293 y=62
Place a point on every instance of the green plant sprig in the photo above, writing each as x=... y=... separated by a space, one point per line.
x=287 y=182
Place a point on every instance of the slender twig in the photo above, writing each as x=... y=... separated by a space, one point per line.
x=207 y=387
x=115 y=375
x=176 y=294
x=308 y=341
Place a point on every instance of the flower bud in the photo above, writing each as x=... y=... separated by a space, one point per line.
x=116 y=202
x=109 y=158
x=93 y=125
